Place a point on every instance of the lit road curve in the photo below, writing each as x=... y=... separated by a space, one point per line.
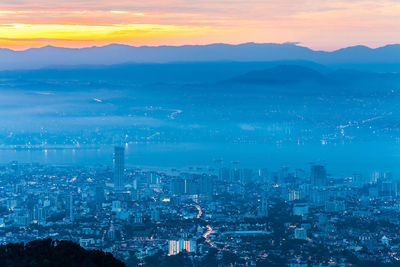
x=209 y=228
x=199 y=210
x=207 y=233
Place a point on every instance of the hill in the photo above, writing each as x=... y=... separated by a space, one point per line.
x=289 y=75
x=46 y=252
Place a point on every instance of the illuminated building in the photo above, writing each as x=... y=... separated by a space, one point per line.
x=177 y=246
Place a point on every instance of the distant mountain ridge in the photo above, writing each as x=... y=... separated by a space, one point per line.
x=47 y=56
x=296 y=75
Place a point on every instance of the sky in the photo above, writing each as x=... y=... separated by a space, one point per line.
x=318 y=24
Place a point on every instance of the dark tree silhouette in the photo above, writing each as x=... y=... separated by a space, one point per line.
x=210 y=260
x=46 y=253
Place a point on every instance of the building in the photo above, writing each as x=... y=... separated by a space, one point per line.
x=116 y=206
x=300 y=209
x=319 y=196
x=263 y=175
x=206 y=185
x=39 y=214
x=236 y=175
x=191 y=187
x=21 y=219
x=152 y=178
x=263 y=208
x=300 y=233
x=177 y=246
x=155 y=214
x=335 y=206
x=246 y=175
x=138 y=218
x=385 y=241
x=119 y=166
x=99 y=194
x=178 y=186
x=283 y=174
x=224 y=174
x=318 y=175
x=298 y=264
x=293 y=195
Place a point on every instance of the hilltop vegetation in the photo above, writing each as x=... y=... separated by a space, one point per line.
x=47 y=252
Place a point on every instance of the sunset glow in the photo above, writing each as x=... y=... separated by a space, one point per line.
x=319 y=24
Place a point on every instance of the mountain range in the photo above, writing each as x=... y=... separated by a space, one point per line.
x=50 y=56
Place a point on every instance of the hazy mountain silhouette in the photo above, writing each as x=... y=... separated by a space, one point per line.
x=117 y=54
x=282 y=74
x=303 y=79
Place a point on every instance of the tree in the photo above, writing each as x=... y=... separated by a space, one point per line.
x=210 y=260
x=46 y=253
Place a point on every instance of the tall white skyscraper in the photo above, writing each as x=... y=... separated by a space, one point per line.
x=119 y=166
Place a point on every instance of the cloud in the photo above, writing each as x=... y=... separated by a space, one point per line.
x=40 y=39
x=317 y=23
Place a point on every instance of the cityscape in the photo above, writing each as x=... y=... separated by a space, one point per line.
x=207 y=133
x=226 y=216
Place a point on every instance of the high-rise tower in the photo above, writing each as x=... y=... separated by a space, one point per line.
x=318 y=175
x=119 y=162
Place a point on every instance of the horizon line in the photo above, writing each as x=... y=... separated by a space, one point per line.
x=298 y=44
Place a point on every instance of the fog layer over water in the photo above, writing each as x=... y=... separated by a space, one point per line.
x=260 y=115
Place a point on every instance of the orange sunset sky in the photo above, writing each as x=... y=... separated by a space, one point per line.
x=319 y=24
